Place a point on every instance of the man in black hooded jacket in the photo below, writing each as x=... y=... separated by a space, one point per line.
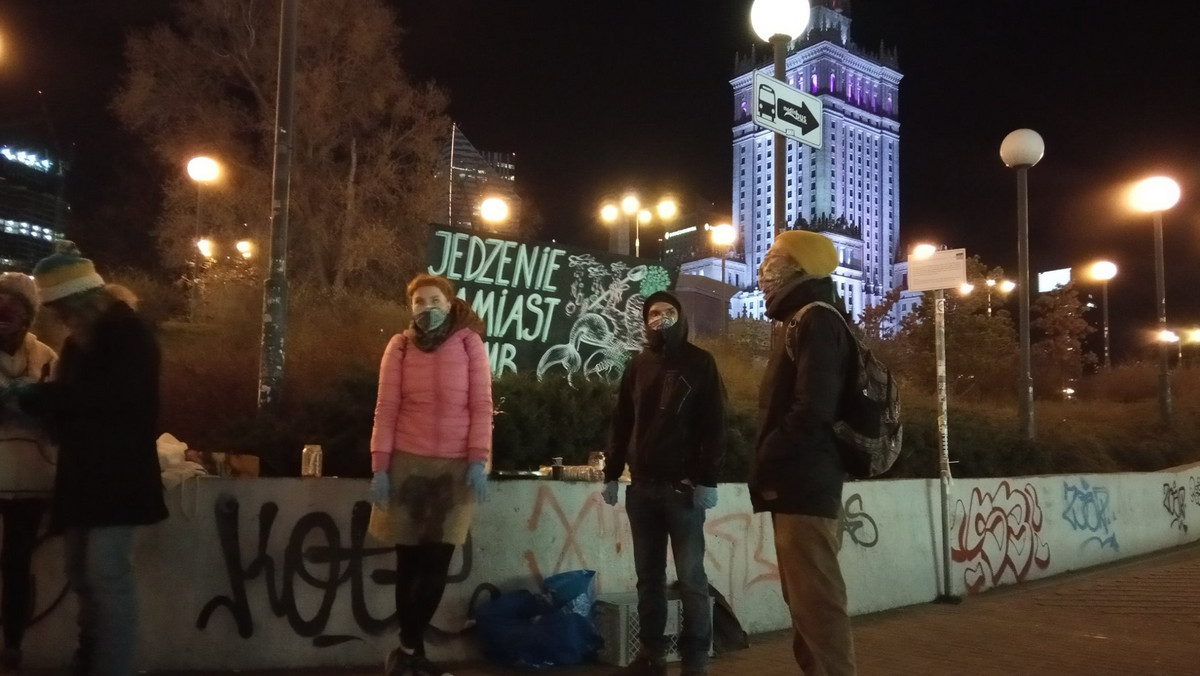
x=669 y=427
x=797 y=474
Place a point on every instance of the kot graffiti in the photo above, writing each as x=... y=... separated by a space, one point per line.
x=1000 y=536
x=327 y=569
x=1175 y=502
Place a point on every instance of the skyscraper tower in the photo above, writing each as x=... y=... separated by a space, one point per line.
x=849 y=188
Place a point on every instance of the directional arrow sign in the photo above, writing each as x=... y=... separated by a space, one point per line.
x=787 y=110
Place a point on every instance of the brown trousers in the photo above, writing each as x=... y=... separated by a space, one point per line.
x=806 y=549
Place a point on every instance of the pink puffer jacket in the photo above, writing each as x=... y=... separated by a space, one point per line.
x=437 y=403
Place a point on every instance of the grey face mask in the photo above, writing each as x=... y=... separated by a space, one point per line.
x=661 y=323
x=431 y=319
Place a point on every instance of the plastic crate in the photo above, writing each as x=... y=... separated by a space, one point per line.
x=616 y=620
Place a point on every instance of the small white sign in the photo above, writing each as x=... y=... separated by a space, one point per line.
x=941 y=270
x=787 y=110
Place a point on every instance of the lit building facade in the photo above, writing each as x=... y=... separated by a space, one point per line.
x=31 y=210
x=849 y=189
x=470 y=177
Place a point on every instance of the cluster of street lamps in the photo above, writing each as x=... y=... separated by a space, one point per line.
x=1004 y=286
x=630 y=211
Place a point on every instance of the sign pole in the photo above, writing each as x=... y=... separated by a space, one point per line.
x=943 y=435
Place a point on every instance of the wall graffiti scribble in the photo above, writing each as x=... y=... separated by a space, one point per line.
x=1000 y=536
x=1086 y=508
x=858 y=523
x=334 y=567
x=1195 y=484
x=1175 y=502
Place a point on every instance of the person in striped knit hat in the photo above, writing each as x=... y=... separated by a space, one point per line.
x=27 y=457
x=101 y=406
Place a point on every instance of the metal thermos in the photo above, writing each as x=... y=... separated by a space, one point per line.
x=310 y=460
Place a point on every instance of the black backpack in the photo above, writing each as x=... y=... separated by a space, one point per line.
x=868 y=429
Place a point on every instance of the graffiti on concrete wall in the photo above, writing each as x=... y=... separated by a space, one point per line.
x=1175 y=502
x=1086 y=509
x=858 y=524
x=739 y=544
x=327 y=569
x=1195 y=492
x=999 y=536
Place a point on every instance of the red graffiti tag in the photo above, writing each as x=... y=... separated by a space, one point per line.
x=999 y=535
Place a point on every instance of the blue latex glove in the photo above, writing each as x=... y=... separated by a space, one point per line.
x=381 y=488
x=704 y=497
x=477 y=480
x=610 y=493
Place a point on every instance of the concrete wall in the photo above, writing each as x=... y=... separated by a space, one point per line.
x=278 y=572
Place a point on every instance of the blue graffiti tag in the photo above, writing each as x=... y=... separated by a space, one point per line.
x=1087 y=509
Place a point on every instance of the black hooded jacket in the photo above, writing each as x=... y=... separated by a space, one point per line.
x=669 y=422
x=796 y=469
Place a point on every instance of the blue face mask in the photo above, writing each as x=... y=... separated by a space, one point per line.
x=430 y=319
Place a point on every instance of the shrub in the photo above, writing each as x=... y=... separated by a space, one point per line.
x=542 y=419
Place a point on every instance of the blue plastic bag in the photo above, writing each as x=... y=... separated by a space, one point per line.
x=522 y=629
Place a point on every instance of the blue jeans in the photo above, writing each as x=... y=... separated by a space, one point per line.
x=100 y=572
x=658 y=512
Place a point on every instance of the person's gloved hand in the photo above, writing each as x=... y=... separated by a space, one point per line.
x=381 y=488
x=477 y=480
x=610 y=493
x=704 y=497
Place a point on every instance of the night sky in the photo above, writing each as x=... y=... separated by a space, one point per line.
x=595 y=97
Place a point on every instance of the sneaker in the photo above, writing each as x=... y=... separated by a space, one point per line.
x=423 y=667
x=398 y=662
x=642 y=666
x=10 y=659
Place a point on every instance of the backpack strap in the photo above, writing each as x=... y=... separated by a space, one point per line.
x=794 y=325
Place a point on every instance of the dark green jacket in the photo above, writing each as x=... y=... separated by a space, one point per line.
x=796 y=468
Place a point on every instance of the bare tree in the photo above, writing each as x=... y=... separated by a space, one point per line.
x=365 y=144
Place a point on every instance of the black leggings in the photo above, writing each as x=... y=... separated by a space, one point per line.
x=421 y=572
x=21 y=520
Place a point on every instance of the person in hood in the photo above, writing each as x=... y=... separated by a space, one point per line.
x=430 y=447
x=669 y=428
x=797 y=474
x=27 y=458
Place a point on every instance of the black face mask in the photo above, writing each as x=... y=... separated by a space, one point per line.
x=657 y=339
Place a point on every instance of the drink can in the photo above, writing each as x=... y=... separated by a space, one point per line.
x=310 y=460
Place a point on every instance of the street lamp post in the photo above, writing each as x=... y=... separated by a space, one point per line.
x=1021 y=150
x=1104 y=271
x=724 y=235
x=201 y=170
x=778 y=22
x=631 y=206
x=1156 y=195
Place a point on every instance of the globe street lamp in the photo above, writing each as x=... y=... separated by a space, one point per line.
x=201 y=170
x=724 y=235
x=1006 y=286
x=778 y=22
x=1021 y=150
x=631 y=207
x=1104 y=271
x=1156 y=195
x=494 y=210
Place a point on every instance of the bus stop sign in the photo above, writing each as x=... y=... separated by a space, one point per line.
x=787 y=110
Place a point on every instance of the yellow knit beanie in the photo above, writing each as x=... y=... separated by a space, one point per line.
x=812 y=252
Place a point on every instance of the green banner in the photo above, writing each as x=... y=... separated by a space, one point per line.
x=550 y=308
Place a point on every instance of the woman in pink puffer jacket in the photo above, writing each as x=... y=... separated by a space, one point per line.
x=430 y=446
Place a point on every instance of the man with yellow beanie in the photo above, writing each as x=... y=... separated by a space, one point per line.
x=797 y=474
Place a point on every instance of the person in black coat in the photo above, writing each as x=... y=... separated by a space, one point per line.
x=101 y=406
x=669 y=427
x=797 y=474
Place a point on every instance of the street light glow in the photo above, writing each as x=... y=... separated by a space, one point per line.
x=1168 y=336
x=630 y=204
x=966 y=288
x=667 y=209
x=494 y=210
x=1193 y=335
x=923 y=251
x=724 y=234
x=609 y=213
x=1007 y=285
x=203 y=169
x=206 y=247
x=644 y=216
x=1103 y=270
x=779 y=17
x=1157 y=193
